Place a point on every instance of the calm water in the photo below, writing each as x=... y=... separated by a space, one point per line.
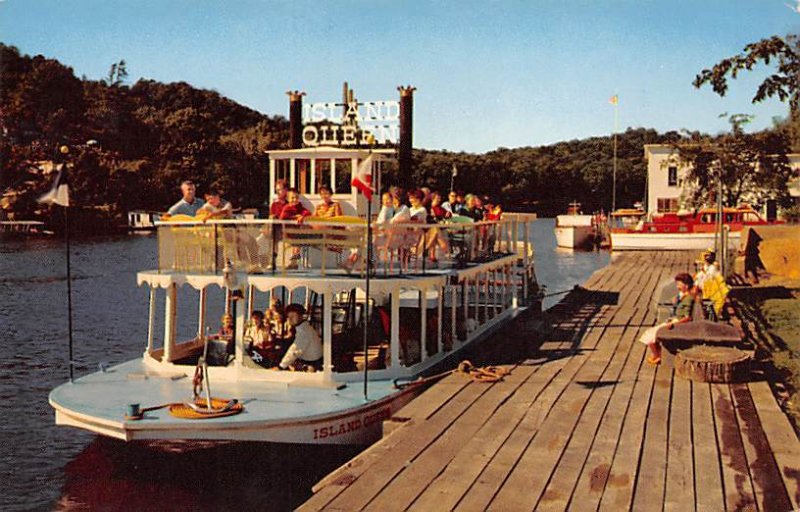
x=44 y=468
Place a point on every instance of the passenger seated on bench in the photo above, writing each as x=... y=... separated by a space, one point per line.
x=280 y=331
x=258 y=340
x=306 y=351
x=220 y=345
x=709 y=270
x=225 y=329
x=684 y=302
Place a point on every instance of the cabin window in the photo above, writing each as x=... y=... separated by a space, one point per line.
x=667 y=204
x=342 y=177
x=672 y=176
x=281 y=171
x=302 y=176
x=322 y=171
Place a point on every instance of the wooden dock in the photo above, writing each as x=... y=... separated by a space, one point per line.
x=581 y=423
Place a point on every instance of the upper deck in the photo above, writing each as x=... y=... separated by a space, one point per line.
x=325 y=249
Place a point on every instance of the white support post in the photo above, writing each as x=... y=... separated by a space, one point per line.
x=495 y=289
x=394 y=339
x=292 y=171
x=333 y=176
x=514 y=291
x=439 y=310
x=251 y=298
x=151 y=320
x=526 y=244
x=453 y=314
x=477 y=296
x=241 y=322
x=327 y=336
x=271 y=181
x=170 y=309
x=423 y=318
x=313 y=171
x=465 y=302
x=486 y=296
x=201 y=314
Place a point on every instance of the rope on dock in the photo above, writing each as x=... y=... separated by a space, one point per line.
x=482 y=374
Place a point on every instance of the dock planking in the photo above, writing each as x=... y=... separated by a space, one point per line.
x=581 y=423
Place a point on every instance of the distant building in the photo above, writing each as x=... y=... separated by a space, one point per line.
x=666 y=178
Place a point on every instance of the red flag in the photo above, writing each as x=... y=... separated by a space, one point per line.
x=363 y=178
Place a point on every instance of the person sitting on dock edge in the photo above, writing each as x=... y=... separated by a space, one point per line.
x=684 y=302
x=306 y=351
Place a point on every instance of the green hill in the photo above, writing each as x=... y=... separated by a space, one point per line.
x=151 y=135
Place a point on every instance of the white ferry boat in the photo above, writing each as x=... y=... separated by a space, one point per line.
x=416 y=317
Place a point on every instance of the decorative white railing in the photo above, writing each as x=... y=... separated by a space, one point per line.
x=272 y=246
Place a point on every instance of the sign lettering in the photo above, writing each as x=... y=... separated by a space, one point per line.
x=348 y=124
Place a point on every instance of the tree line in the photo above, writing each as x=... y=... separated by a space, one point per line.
x=150 y=135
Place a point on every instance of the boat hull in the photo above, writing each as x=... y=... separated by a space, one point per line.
x=573 y=237
x=667 y=241
x=270 y=414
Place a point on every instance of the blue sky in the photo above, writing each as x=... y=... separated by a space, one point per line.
x=488 y=73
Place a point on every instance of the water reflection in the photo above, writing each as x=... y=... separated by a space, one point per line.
x=43 y=466
x=114 y=475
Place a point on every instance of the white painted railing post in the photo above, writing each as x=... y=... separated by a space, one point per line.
x=395 y=328
x=151 y=319
x=439 y=311
x=327 y=335
x=423 y=319
x=170 y=309
x=201 y=313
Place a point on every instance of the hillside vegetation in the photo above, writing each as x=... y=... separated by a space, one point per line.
x=151 y=135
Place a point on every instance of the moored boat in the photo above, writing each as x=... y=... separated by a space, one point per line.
x=575 y=230
x=415 y=318
x=684 y=230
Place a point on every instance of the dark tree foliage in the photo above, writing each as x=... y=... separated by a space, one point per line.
x=149 y=137
x=751 y=166
x=784 y=82
x=152 y=135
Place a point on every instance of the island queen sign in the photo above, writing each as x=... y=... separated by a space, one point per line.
x=351 y=124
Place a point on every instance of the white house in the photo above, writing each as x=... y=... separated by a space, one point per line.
x=666 y=178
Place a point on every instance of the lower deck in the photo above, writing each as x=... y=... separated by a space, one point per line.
x=581 y=423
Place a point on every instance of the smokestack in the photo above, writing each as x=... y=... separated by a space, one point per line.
x=406 y=132
x=295 y=119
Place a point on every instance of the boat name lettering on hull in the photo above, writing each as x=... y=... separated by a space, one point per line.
x=348 y=426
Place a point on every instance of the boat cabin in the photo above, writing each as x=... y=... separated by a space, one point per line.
x=306 y=169
x=415 y=312
x=703 y=220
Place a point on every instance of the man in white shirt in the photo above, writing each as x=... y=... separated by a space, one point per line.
x=189 y=203
x=307 y=346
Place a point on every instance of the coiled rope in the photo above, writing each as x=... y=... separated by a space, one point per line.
x=481 y=374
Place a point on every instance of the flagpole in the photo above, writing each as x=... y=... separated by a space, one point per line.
x=366 y=283
x=614 y=174
x=69 y=293
x=366 y=291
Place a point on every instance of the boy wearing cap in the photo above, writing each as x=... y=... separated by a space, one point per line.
x=307 y=346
